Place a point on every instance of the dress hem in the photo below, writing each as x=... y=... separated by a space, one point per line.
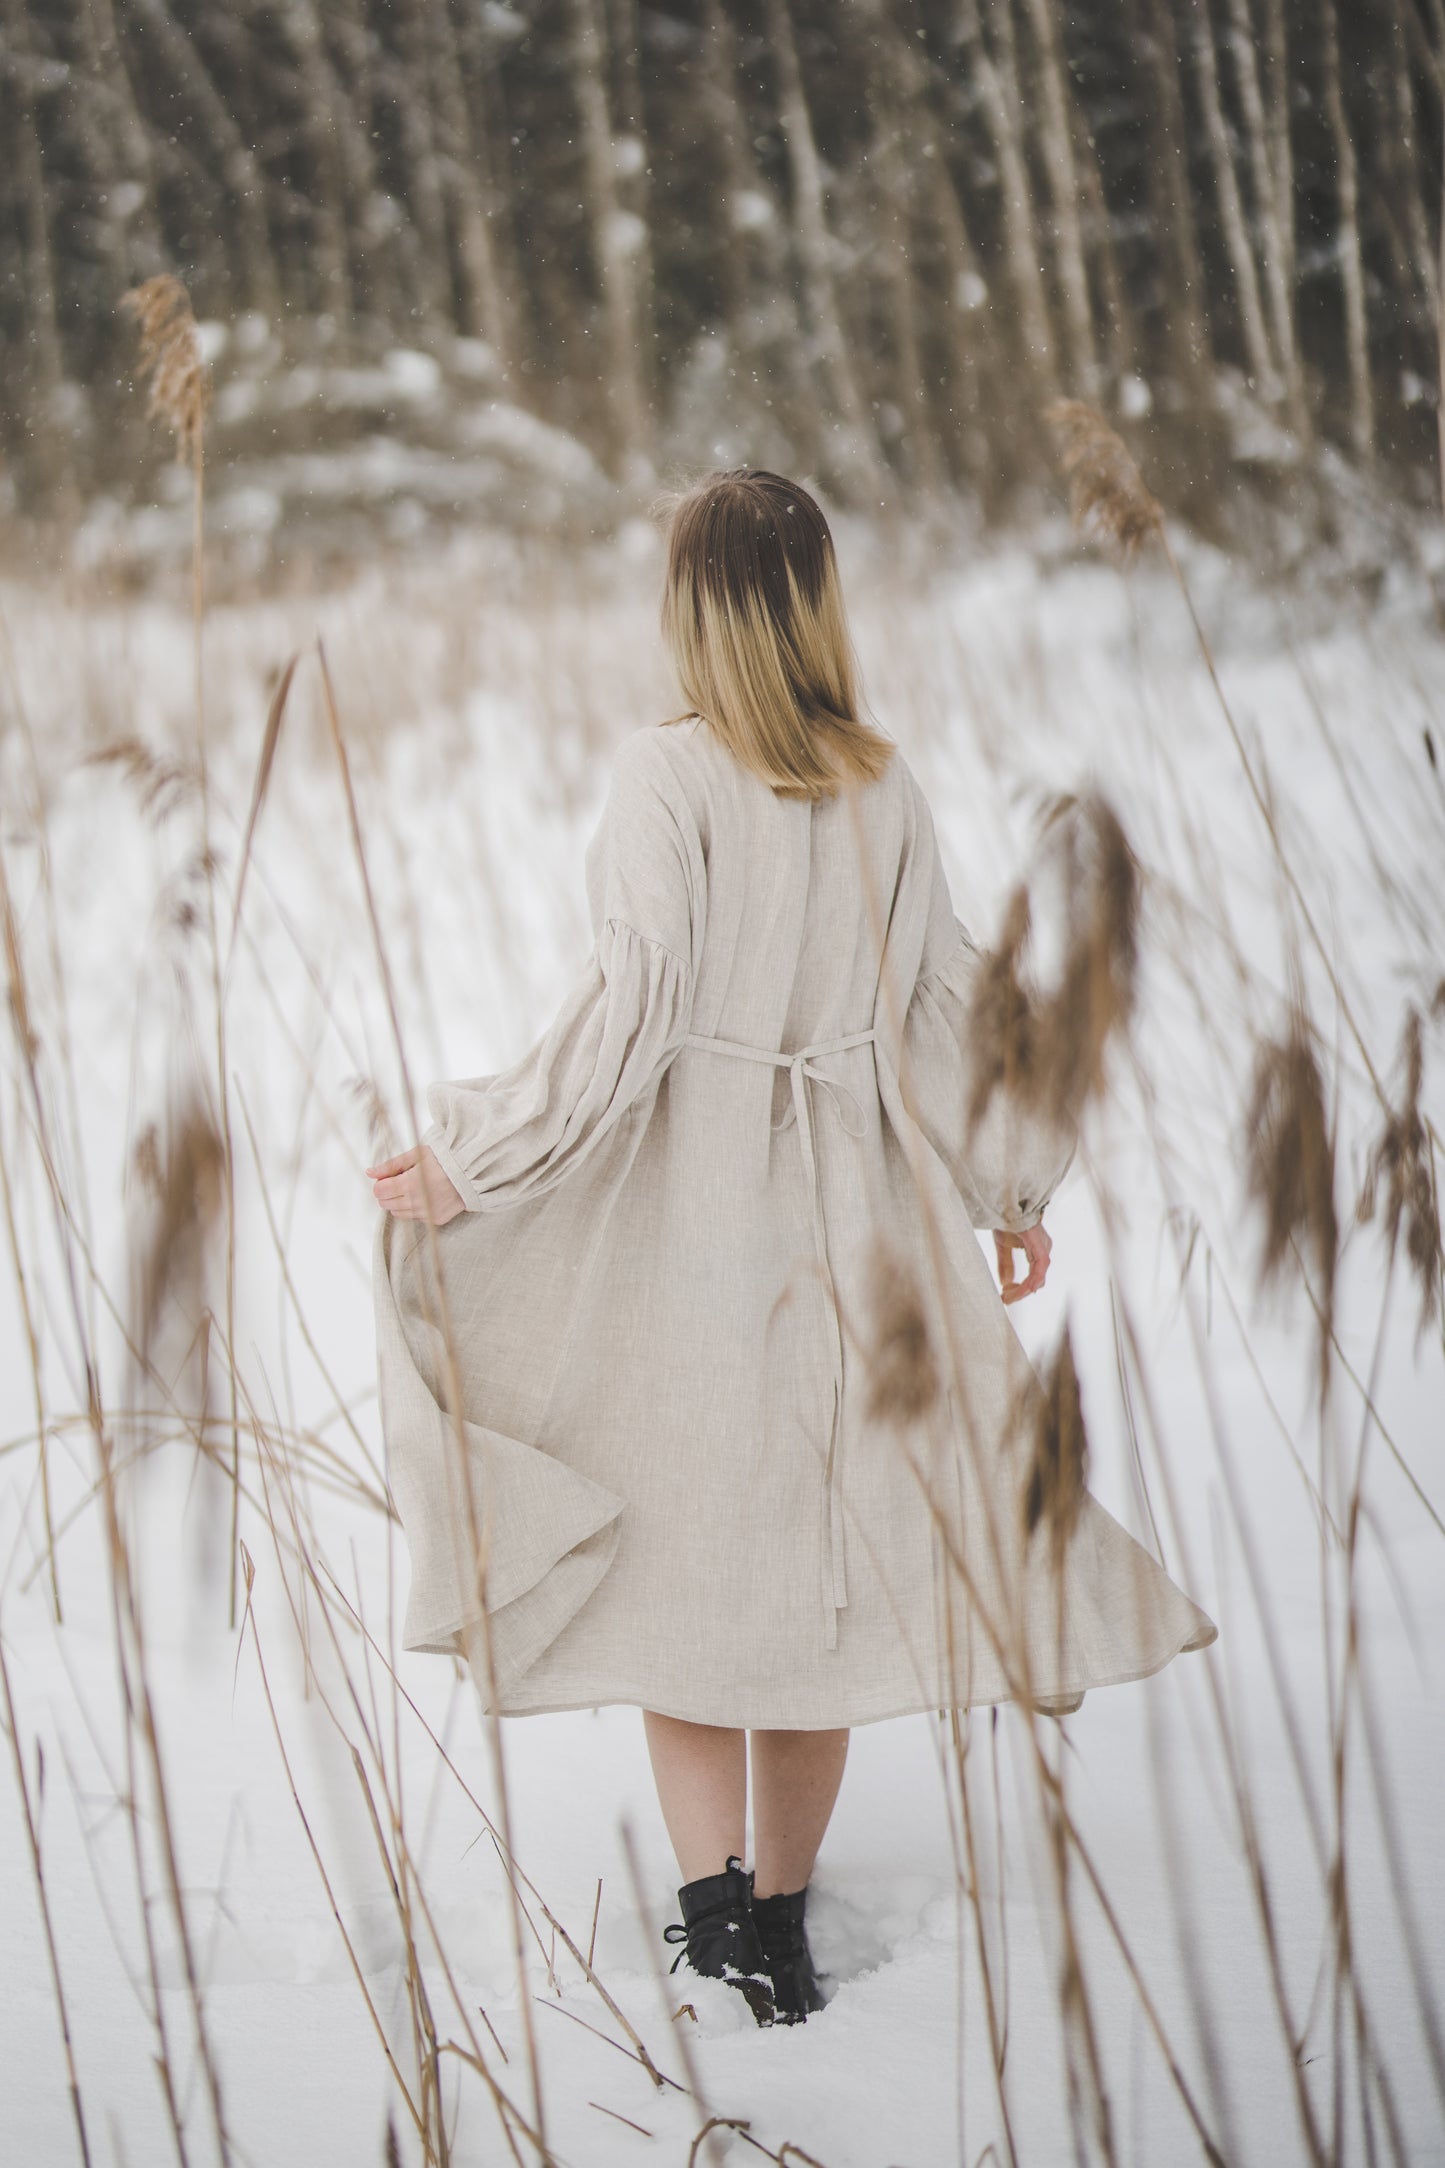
x=839 y=1722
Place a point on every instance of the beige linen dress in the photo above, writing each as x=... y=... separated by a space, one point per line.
x=672 y=1492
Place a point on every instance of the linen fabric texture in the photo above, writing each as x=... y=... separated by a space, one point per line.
x=626 y=1394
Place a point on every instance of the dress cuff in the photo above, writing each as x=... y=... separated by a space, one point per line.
x=436 y=1143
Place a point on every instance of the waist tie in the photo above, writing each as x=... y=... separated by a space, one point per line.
x=800 y=1068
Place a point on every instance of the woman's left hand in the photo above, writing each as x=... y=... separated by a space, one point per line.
x=1036 y=1247
x=413 y=1186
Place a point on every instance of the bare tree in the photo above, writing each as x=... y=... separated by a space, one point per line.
x=179 y=59
x=490 y=155
x=1176 y=238
x=616 y=237
x=997 y=81
x=1401 y=136
x=1231 y=206
x=1057 y=142
x=405 y=81
x=1351 y=255
x=630 y=159
x=893 y=211
x=463 y=179
x=1282 y=226
x=320 y=96
x=1270 y=172
x=117 y=147
x=857 y=459
x=1119 y=328
x=39 y=267
x=760 y=303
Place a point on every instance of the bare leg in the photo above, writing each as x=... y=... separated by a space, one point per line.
x=702 y=1785
x=796 y=1775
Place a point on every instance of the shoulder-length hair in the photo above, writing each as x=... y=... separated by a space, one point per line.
x=752 y=612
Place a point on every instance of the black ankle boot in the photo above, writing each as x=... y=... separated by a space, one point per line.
x=786 y=1955
x=722 y=1942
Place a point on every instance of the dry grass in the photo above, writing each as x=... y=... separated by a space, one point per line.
x=1108 y=495
x=1059 y=1462
x=1048 y=1046
x=170 y=352
x=1067 y=1040
x=1290 y=1162
x=903 y=1371
x=1400 y=1179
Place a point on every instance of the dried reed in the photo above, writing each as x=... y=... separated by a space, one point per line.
x=30 y=1814
x=283 y=1507
x=186 y=1176
x=1048 y=1049
x=162 y=785
x=170 y=350
x=903 y=1371
x=1059 y=1459
x=179 y=395
x=1289 y=1158
x=1108 y=494
x=1400 y=1178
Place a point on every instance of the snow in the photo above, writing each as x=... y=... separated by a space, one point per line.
x=480 y=695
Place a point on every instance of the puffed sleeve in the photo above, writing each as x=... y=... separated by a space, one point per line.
x=1009 y=1165
x=502 y=1139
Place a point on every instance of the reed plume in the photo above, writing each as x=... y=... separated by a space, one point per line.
x=161 y=785
x=170 y=350
x=1290 y=1162
x=1400 y=1174
x=1002 y=1022
x=185 y=1174
x=1094 y=998
x=1059 y=1459
x=1048 y=1050
x=902 y=1365
x=1108 y=496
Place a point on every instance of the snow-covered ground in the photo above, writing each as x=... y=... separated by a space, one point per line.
x=479 y=699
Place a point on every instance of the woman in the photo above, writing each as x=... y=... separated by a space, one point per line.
x=654 y=1264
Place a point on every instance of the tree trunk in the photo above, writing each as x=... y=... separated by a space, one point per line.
x=895 y=166
x=117 y=143
x=407 y=81
x=1120 y=331
x=1231 y=208
x=998 y=90
x=491 y=150
x=1282 y=225
x=859 y=463
x=754 y=252
x=1408 y=160
x=972 y=348
x=615 y=238
x=1436 y=62
x=630 y=157
x=1352 y=263
x=245 y=183
x=1274 y=214
x=464 y=186
x=321 y=95
x=1187 y=330
x=41 y=314
x=1058 y=148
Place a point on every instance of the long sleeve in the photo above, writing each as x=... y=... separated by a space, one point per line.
x=505 y=1138
x=1007 y=1168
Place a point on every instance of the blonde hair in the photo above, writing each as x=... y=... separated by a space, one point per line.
x=752 y=611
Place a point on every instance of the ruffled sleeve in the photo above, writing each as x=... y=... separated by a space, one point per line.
x=1007 y=1168
x=505 y=1138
